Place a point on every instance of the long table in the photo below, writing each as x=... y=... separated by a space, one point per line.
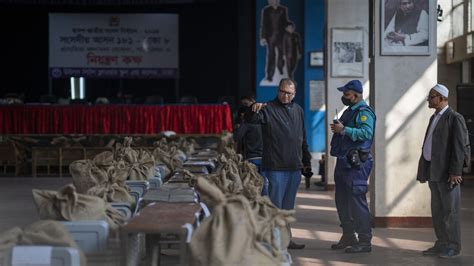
x=114 y=119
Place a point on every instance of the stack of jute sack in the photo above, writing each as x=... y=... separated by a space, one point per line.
x=244 y=227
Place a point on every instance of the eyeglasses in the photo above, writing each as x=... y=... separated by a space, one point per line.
x=286 y=93
x=406 y=3
x=430 y=97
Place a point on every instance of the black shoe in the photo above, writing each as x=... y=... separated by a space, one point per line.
x=448 y=253
x=359 y=248
x=345 y=241
x=307 y=182
x=433 y=251
x=293 y=245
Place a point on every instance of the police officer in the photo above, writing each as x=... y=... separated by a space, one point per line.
x=351 y=143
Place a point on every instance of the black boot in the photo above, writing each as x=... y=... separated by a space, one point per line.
x=293 y=245
x=346 y=240
x=307 y=181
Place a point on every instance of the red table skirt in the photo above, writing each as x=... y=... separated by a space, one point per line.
x=114 y=119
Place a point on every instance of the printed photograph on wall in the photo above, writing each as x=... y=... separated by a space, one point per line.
x=405 y=27
x=283 y=43
x=347 y=52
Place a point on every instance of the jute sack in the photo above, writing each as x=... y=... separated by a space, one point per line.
x=116 y=169
x=268 y=218
x=106 y=182
x=138 y=163
x=252 y=181
x=228 y=236
x=163 y=157
x=43 y=232
x=226 y=141
x=141 y=164
x=227 y=177
x=67 y=204
x=187 y=145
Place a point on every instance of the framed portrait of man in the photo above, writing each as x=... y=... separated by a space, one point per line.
x=347 y=50
x=405 y=27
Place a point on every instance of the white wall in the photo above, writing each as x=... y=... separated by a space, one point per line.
x=452 y=25
x=343 y=14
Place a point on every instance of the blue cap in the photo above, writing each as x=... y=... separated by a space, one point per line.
x=353 y=85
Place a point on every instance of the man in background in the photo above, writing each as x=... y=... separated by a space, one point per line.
x=249 y=138
x=441 y=164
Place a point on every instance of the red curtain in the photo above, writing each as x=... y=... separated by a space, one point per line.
x=114 y=119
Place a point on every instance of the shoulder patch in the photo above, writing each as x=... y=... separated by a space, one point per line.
x=363 y=118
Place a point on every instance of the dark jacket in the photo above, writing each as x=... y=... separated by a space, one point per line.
x=284 y=136
x=250 y=136
x=273 y=22
x=447 y=152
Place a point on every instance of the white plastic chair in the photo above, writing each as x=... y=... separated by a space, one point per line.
x=90 y=236
x=42 y=256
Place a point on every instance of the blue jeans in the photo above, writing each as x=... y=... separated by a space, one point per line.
x=258 y=164
x=282 y=187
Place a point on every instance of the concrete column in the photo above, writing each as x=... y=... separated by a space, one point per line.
x=400 y=87
x=343 y=14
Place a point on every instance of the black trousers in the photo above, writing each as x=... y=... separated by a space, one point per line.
x=274 y=43
x=445 y=213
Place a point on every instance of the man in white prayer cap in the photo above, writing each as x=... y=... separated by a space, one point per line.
x=441 y=165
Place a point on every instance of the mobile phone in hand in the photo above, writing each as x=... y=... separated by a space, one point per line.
x=451 y=186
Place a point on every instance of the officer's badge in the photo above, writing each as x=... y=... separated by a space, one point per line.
x=363 y=118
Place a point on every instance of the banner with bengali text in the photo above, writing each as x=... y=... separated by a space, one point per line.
x=113 y=45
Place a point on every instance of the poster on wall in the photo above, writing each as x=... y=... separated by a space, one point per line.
x=317 y=94
x=277 y=33
x=347 y=48
x=113 y=45
x=405 y=27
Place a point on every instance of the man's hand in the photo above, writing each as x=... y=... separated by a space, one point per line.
x=256 y=107
x=337 y=128
x=307 y=172
x=396 y=37
x=455 y=179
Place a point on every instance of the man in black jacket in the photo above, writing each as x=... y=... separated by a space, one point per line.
x=249 y=139
x=441 y=164
x=285 y=151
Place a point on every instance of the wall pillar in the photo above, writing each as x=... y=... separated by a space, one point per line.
x=400 y=86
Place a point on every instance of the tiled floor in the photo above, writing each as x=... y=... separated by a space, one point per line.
x=317 y=227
